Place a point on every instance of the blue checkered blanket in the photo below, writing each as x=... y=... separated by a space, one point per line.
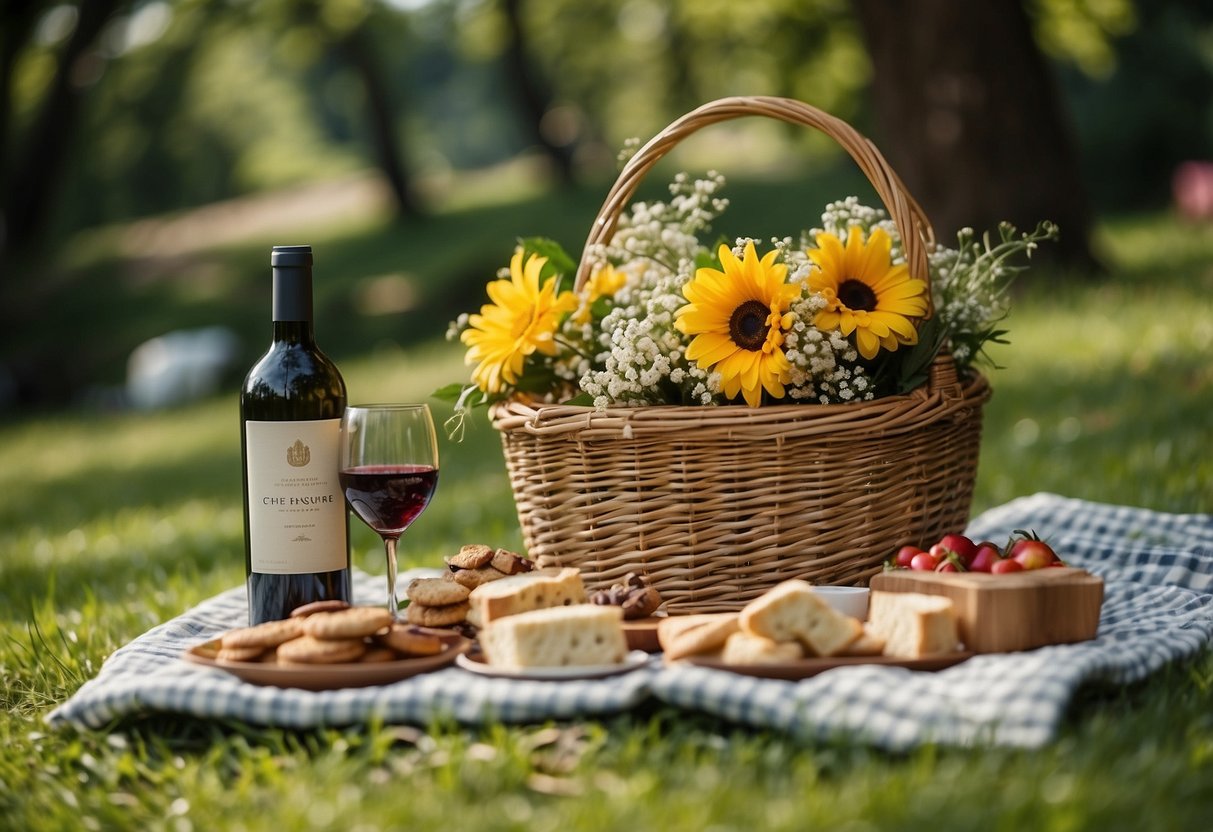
x=1158 y=608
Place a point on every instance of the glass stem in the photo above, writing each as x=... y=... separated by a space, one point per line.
x=389 y=545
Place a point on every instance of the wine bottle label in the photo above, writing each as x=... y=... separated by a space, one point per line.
x=297 y=516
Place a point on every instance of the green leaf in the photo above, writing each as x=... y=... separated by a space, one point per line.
x=449 y=393
x=559 y=264
x=580 y=400
x=916 y=364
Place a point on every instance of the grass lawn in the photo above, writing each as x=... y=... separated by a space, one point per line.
x=111 y=522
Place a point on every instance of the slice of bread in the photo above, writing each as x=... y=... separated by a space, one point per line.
x=577 y=635
x=526 y=591
x=913 y=624
x=792 y=612
x=743 y=648
x=868 y=644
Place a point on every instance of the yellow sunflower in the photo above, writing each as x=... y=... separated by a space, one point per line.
x=865 y=293
x=521 y=320
x=603 y=283
x=738 y=318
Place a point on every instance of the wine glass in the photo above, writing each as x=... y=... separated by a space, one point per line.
x=388 y=470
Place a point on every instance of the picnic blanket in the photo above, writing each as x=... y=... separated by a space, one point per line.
x=1158 y=608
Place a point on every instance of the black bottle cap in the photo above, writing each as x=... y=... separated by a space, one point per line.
x=291 y=256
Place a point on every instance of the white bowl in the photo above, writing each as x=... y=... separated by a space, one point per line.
x=849 y=600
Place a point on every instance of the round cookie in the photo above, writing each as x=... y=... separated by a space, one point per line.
x=309 y=650
x=239 y=654
x=410 y=640
x=472 y=578
x=264 y=635
x=436 y=592
x=356 y=622
x=378 y=655
x=443 y=616
x=471 y=556
x=331 y=605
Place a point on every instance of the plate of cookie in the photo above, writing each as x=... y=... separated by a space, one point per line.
x=330 y=645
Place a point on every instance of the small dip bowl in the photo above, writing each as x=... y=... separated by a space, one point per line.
x=849 y=600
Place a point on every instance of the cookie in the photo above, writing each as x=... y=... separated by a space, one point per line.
x=332 y=605
x=510 y=563
x=239 y=654
x=264 y=635
x=436 y=592
x=472 y=578
x=310 y=650
x=471 y=556
x=680 y=637
x=378 y=655
x=443 y=616
x=410 y=640
x=356 y=622
x=743 y=648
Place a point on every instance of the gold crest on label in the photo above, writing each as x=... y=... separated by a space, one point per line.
x=298 y=455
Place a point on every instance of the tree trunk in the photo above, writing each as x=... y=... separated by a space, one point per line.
x=36 y=167
x=971 y=119
x=533 y=94
x=360 y=52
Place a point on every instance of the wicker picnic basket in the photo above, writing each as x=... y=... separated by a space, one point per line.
x=715 y=505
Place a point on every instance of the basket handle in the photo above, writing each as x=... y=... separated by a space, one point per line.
x=912 y=224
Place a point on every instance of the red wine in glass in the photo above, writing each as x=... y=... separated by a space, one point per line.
x=388 y=470
x=389 y=497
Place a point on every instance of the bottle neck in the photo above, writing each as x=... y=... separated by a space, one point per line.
x=293 y=304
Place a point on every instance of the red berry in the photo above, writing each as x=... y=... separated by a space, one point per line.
x=964 y=548
x=904 y=555
x=1006 y=565
x=924 y=562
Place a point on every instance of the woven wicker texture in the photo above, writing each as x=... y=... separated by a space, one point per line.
x=715 y=505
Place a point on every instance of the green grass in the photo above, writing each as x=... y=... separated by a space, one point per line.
x=111 y=522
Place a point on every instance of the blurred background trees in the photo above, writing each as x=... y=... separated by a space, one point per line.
x=113 y=110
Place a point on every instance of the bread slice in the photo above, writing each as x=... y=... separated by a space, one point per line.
x=526 y=591
x=743 y=648
x=868 y=644
x=792 y=612
x=577 y=635
x=913 y=624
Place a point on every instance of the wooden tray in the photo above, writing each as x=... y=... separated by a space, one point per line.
x=322 y=676
x=1019 y=611
x=805 y=668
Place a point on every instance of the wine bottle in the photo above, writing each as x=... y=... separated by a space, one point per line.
x=296 y=527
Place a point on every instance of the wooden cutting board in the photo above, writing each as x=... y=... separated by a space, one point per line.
x=1019 y=611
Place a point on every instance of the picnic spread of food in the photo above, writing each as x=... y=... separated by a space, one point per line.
x=497 y=612
x=706 y=443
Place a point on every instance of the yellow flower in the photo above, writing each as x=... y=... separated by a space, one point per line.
x=603 y=283
x=521 y=320
x=738 y=318
x=864 y=292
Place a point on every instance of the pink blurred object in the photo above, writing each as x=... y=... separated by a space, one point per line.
x=1192 y=186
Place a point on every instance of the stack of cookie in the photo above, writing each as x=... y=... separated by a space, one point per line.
x=329 y=632
x=443 y=602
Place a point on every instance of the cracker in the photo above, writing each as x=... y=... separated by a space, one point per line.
x=682 y=638
x=356 y=622
x=436 y=592
x=331 y=605
x=443 y=616
x=310 y=650
x=411 y=640
x=471 y=556
x=264 y=635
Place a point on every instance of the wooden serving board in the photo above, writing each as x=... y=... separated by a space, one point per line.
x=1019 y=611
